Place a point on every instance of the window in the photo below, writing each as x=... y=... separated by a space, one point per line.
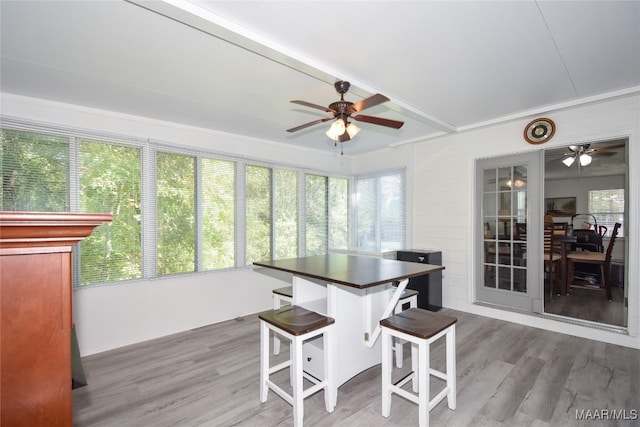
x=180 y=211
x=285 y=207
x=271 y=199
x=176 y=214
x=34 y=172
x=258 y=213
x=110 y=181
x=608 y=208
x=218 y=214
x=380 y=212
x=338 y=213
x=327 y=214
x=316 y=218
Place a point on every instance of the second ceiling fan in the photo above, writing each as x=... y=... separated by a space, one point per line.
x=342 y=111
x=584 y=154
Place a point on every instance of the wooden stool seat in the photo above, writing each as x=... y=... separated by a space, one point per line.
x=419 y=323
x=297 y=324
x=287 y=291
x=295 y=320
x=408 y=293
x=421 y=328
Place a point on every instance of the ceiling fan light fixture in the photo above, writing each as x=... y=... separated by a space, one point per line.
x=337 y=128
x=585 y=160
x=342 y=111
x=569 y=161
x=352 y=130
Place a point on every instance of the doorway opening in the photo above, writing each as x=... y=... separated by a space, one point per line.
x=585 y=189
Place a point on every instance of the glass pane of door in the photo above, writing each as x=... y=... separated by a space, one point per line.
x=504 y=194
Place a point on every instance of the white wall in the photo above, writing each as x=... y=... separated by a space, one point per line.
x=579 y=188
x=112 y=316
x=441 y=174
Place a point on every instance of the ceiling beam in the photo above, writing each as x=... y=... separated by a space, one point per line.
x=210 y=23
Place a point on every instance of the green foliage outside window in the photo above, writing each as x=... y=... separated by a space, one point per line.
x=34 y=172
x=175 y=200
x=286 y=213
x=338 y=213
x=110 y=180
x=317 y=221
x=258 y=213
x=218 y=216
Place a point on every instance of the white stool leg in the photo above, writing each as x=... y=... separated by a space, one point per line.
x=398 y=347
x=415 y=367
x=298 y=394
x=451 y=367
x=386 y=372
x=330 y=391
x=264 y=361
x=276 y=340
x=423 y=384
x=398 y=343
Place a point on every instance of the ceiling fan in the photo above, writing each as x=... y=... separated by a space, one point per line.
x=584 y=154
x=342 y=111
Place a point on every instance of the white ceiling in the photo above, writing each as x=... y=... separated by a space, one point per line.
x=233 y=66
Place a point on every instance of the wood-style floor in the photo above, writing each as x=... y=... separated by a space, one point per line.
x=508 y=375
x=590 y=305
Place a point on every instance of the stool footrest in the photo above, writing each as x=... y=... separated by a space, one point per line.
x=404 y=393
x=438 y=374
x=439 y=397
x=402 y=381
x=414 y=397
x=280 y=392
x=279 y=367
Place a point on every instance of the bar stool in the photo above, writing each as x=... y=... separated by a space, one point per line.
x=280 y=296
x=421 y=328
x=297 y=324
x=408 y=296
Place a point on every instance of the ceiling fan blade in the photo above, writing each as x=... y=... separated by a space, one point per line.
x=309 y=104
x=603 y=152
x=379 y=121
x=372 y=101
x=611 y=147
x=306 y=125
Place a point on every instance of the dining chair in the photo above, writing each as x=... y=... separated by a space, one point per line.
x=560 y=228
x=521 y=231
x=552 y=259
x=603 y=260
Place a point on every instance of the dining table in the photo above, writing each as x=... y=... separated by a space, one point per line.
x=565 y=242
x=357 y=292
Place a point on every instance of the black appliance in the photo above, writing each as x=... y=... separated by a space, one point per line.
x=429 y=286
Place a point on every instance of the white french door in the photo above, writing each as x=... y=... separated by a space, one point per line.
x=508 y=241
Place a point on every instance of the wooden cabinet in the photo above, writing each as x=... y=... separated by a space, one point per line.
x=35 y=315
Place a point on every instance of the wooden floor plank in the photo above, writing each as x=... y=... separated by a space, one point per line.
x=507 y=374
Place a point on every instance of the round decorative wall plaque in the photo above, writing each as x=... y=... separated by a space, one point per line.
x=539 y=131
